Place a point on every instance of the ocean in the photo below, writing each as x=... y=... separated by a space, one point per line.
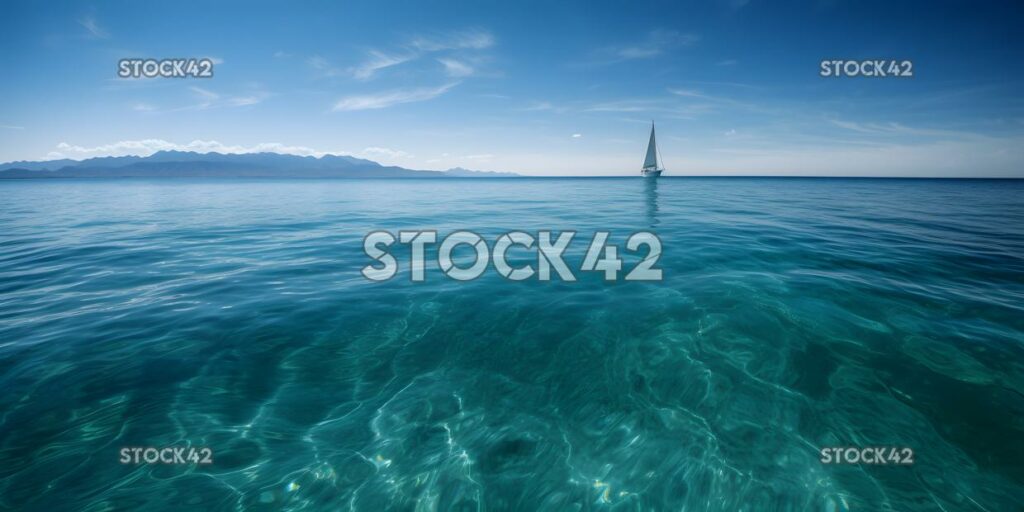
x=792 y=315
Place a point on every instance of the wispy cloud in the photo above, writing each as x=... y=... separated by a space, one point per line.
x=378 y=61
x=678 y=104
x=689 y=93
x=137 y=83
x=453 y=50
x=323 y=66
x=146 y=147
x=389 y=98
x=896 y=129
x=663 y=106
x=545 y=106
x=627 y=106
x=391 y=154
x=456 y=68
x=241 y=101
x=463 y=40
x=93 y=27
x=205 y=99
x=207 y=96
x=709 y=101
x=717 y=84
x=210 y=99
x=656 y=43
x=11 y=127
x=577 y=135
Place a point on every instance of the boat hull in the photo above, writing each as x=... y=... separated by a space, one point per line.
x=651 y=174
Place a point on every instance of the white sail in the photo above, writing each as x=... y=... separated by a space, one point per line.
x=651 y=161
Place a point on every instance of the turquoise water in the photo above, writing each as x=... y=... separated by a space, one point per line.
x=794 y=314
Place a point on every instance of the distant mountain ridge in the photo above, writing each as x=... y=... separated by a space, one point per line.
x=225 y=165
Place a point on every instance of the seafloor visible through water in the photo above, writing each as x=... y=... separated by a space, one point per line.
x=794 y=314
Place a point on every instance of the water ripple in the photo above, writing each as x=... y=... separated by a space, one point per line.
x=794 y=314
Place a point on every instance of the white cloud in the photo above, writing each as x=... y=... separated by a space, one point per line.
x=456 y=68
x=895 y=129
x=324 y=67
x=455 y=42
x=146 y=147
x=638 y=52
x=689 y=93
x=627 y=106
x=389 y=98
x=577 y=135
x=716 y=102
x=241 y=101
x=94 y=29
x=378 y=61
x=457 y=52
x=656 y=43
x=204 y=93
x=375 y=151
x=207 y=99
x=665 y=106
x=464 y=40
x=545 y=106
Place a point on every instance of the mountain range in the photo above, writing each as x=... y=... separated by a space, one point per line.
x=221 y=165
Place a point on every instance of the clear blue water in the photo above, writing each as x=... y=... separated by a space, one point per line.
x=794 y=314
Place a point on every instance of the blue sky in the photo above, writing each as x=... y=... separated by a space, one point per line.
x=543 y=88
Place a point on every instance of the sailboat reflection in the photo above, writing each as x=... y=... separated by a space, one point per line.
x=651 y=197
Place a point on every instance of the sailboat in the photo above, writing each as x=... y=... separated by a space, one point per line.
x=650 y=168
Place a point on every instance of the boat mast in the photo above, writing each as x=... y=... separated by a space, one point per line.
x=651 y=159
